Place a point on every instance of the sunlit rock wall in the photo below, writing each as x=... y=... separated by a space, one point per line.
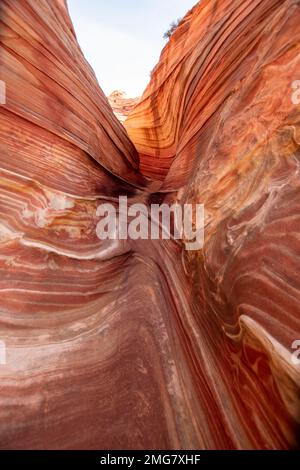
x=218 y=124
x=121 y=104
x=141 y=344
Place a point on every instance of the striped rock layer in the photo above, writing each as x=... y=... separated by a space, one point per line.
x=121 y=104
x=142 y=344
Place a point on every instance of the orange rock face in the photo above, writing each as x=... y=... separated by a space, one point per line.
x=121 y=104
x=142 y=344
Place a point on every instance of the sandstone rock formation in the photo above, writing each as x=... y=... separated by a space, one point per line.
x=141 y=344
x=121 y=104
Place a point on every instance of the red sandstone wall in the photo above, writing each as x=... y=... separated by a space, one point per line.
x=141 y=344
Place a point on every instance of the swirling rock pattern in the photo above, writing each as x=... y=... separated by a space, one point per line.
x=141 y=344
x=121 y=104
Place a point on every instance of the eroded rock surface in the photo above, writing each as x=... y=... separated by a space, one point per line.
x=141 y=344
x=121 y=104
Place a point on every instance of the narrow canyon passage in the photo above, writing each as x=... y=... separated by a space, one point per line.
x=141 y=343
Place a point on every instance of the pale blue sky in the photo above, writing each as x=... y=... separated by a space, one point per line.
x=122 y=39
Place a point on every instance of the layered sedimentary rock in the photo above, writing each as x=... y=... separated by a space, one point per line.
x=121 y=104
x=141 y=344
x=218 y=125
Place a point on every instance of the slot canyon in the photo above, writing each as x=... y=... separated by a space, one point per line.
x=141 y=344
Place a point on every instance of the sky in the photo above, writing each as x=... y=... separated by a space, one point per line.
x=122 y=39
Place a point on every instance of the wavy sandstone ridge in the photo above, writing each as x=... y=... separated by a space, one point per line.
x=121 y=104
x=141 y=344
